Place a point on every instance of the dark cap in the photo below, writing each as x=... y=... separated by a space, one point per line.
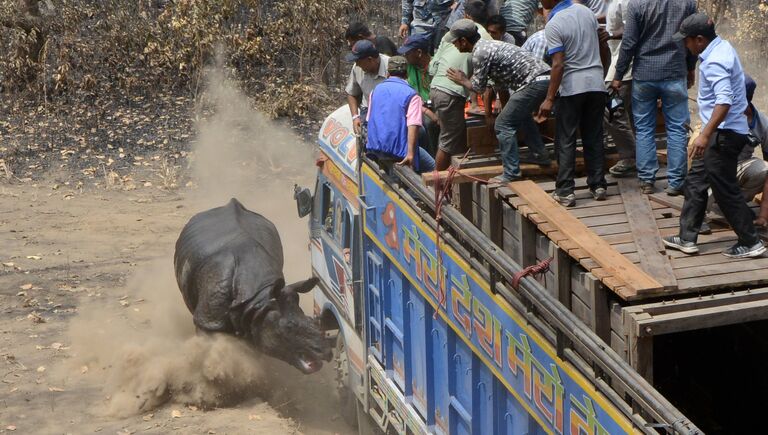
x=750 y=84
x=397 y=65
x=419 y=40
x=463 y=28
x=362 y=49
x=698 y=24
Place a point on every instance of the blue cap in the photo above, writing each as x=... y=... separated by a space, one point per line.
x=362 y=49
x=750 y=84
x=419 y=40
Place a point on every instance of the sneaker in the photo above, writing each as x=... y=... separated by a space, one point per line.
x=599 y=194
x=500 y=179
x=675 y=242
x=622 y=168
x=646 y=187
x=705 y=228
x=672 y=191
x=566 y=200
x=742 y=251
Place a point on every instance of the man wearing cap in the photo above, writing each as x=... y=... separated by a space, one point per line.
x=661 y=69
x=394 y=120
x=510 y=68
x=722 y=102
x=425 y=16
x=357 y=31
x=415 y=49
x=369 y=70
x=579 y=64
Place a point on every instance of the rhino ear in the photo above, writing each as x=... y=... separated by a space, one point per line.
x=303 y=286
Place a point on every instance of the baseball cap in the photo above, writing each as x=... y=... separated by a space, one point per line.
x=698 y=24
x=362 y=49
x=463 y=28
x=397 y=65
x=419 y=40
x=750 y=84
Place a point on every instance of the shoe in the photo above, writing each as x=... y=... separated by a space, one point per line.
x=705 y=228
x=742 y=251
x=671 y=191
x=536 y=160
x=599 y=194
x=566 y=200
x=500 y=179
x=675 y=242
x=646 y=187
x=622 y=168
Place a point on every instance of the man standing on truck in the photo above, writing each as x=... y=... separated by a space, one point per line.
x=394 y=120
x=369 y=70
x=426 y=16
x=579 y=64
x=722 y=102
x=510 y=68
x=659 y=68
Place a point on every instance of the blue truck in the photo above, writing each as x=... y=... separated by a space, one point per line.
x=431 y=337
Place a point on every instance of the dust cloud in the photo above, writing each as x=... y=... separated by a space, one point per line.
x=145 y=351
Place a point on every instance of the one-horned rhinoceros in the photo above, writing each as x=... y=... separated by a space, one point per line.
x=229 y=267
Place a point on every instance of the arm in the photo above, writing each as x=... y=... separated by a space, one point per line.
x=718 y=116
x=555 y=78
x=719 y=75
x=353 y=108
x=413 y=121
x=407 y=9
x=605 y=51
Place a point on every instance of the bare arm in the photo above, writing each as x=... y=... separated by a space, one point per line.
x=555 y=78
x=413 y=137
x=718 y=116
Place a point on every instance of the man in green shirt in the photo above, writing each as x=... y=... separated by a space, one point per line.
x=415 y=49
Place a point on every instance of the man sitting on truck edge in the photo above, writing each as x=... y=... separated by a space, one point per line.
x=369 y=70
x=415 y=49
x=394 y=120
x=722 y=102
x=511 y=69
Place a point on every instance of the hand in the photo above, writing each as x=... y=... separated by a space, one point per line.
x=544 y=110
x=691 y=79
x=760 y=222
x=602 y=35
x=699 y=146
x=357 y=125
x=457 y=76
x=403 y=31
x=431 y=115
x=616 y=85
x=407 y=161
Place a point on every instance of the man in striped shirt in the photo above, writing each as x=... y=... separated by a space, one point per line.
x=519 y=15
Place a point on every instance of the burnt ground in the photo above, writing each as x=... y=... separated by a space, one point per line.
x=92 y=198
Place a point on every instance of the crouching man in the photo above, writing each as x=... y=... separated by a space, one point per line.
x=394 y=120
x=722 y=102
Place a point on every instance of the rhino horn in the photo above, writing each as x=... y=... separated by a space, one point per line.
x=289 y=294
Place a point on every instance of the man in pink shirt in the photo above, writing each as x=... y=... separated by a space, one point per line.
x=394 y=120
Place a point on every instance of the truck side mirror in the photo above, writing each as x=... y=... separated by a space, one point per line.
x=303 y=200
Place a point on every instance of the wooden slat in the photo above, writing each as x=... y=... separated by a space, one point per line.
x=704 y=318
x=617 y=265
x=642 y=222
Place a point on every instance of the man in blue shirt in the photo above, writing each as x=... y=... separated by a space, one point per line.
x=722 y=102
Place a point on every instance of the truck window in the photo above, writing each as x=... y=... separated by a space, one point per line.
x=347 y=242
x=338 y=232
x=327 y=214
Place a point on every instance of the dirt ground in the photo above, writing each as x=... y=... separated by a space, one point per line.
x=94 y=336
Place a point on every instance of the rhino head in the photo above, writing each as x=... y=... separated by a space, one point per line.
x=288 y=334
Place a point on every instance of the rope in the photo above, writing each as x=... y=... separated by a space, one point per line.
x=536 y=269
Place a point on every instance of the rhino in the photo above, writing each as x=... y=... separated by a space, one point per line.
x=229 y=268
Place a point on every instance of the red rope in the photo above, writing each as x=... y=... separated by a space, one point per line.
x=536 y=269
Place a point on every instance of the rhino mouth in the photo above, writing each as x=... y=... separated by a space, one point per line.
x=308 y=365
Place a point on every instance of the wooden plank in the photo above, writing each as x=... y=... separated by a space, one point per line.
x=758 y=265
x=601 y=321
x=709 y=317
x=642 y=222
x=527 y=237
x=599 y=250
x=464 y=193
x=726 y=280
x=639 y=348
x=562 y=267
x=700 y=302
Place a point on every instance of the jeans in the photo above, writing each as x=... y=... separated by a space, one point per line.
x=429 y=134
x=674 y=105
x=517 y=115
x=426 y=162
x=718 y=170
x=573 y=113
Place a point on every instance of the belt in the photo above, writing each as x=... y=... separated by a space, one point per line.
x=540 y=78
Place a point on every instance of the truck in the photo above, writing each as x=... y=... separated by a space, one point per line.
x=439 y=328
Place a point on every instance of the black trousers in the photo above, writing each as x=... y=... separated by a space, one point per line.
x=582 y=112
x=717 y=170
